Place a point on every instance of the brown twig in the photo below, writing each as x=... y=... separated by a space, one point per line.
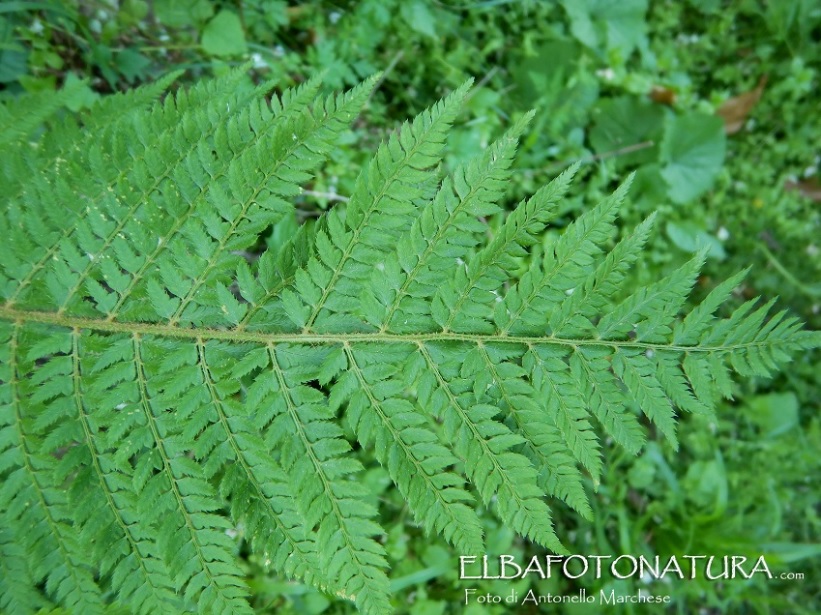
x=627 y=149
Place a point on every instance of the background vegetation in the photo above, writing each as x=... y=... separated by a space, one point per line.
x=713 y=104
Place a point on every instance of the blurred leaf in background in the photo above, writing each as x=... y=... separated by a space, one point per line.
x=223 y=35
x=692 y=152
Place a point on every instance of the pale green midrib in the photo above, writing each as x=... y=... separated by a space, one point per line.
x=233 y=335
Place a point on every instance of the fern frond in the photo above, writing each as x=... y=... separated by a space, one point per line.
x=470 y=303
x=499 y=373
x=41 y=182
x=576 y=314
x=252 y=480
x=167 y=391
x=410 y=450
x=179 y=499
x=445 y=231
x=139 y=577
x=484 y=446
x=590 y=368
x=637 y=373
x=550 y=373
x=254 y=199
x=20 y=117
x=380 y=209
x=649 y=312
x=17 y=588
x=31 y=496
x=691 y=328
x=27 y=163
x=312 y=453
x=86 y=217
x=526 y=305
x=275 y=272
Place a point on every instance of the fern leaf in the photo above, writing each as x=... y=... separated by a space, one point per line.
x=446 y=229
x=31 y=499
x=17 y=588
x=168 y=390
x=379 y=209
x=253 y=200
x=575 y=314
x=30 y=188
x=590 y=369
x=551 y=376
x=89 y=225
x=563 y=267
x=484 y=446
x=275 y=272
x=191 y=537
x=636 y=372
x=313 y=457
x=416 y=460
x=649 y=312
x=497 y=371
x=252 y=480
x=20 y=117
x=691 y=328
x=140 y=579
x=470 y=302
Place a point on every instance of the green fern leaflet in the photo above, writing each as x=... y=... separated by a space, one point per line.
x=166 y=380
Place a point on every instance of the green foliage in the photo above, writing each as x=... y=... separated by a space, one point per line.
x=223 y=36
x=169 y=382
x=692 y=151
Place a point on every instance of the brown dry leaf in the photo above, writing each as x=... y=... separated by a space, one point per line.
x=810 y=188
x=735 y=110
x=663 y=95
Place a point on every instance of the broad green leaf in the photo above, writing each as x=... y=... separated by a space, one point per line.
x=624 y=122
x=692 y=152
x=608 y=24
x=182 y=13
x=418 y=15
x=689 y=237
x=223 y=35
